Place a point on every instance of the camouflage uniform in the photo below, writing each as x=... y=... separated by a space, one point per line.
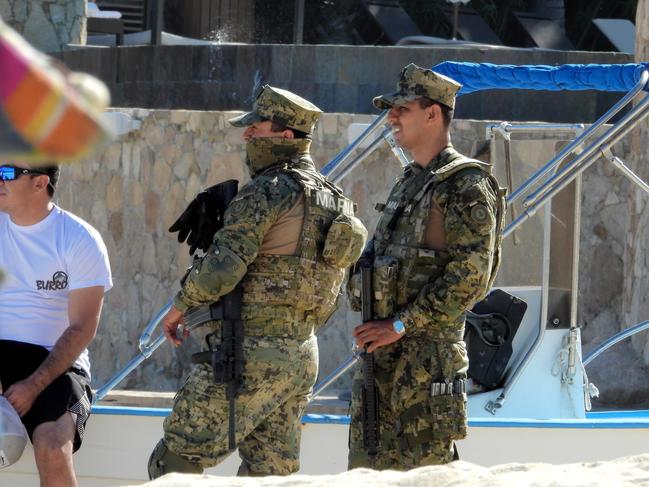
x=285 y=298
x=432 y=290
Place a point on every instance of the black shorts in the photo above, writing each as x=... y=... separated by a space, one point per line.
x=69 y=392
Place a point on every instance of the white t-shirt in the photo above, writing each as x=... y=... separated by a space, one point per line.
x=43 y=263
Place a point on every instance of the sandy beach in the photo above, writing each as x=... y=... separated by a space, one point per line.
x=630 y=471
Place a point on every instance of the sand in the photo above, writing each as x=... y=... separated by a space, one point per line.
x=629 y=471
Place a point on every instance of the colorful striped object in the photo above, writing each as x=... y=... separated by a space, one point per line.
x=56 y=113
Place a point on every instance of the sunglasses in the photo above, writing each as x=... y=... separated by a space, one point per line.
x=11 y=173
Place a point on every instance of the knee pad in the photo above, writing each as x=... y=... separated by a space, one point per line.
x=163 y=461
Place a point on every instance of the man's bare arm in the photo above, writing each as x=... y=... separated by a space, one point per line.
x=84 y=309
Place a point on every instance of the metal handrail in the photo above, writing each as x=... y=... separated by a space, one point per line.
x=347 y=151
x=516 y=194
x=337 y=373
x=589 y=155
x=146 y=349
x=626 y=172
x=507 y=128
x=145 y=337
x=570 y=148
x=618 y=337
x=359 y=158
x=127 y=369
x=611 y=137
x=145 y=353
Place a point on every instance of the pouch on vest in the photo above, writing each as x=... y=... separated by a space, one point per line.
x=354 y=291
x=438 y=418
x=449 y=407
x=451 y=414
x=420 y=268
x=384 y=282
x=344 y=242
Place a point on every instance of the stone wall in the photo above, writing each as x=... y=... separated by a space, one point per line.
x=48 y=25
x=135 y=188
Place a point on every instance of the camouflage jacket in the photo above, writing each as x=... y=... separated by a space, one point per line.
x=436 y=285
x=283 y=295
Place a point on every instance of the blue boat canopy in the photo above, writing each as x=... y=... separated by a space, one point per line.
x=486 y=76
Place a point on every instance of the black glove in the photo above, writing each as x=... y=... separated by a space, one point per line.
x=202 y=217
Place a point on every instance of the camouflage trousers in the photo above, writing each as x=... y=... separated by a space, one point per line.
x=416 y=429
x=279 y=374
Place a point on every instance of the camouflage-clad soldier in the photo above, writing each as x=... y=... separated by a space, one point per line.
x=439 y=238
x=287 y=238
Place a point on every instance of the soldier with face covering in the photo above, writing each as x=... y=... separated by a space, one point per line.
x=287 y=238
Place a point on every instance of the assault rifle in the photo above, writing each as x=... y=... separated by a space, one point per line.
x=370 y=397
x=227 y=357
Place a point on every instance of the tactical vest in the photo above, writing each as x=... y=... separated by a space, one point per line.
x=293 y=295
x=401 y=230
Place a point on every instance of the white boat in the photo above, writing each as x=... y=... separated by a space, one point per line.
x=540 y=410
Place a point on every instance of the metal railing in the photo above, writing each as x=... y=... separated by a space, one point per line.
x=617 y=338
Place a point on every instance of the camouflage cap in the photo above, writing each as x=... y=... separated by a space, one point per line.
x=415 y=83
x=283 y=107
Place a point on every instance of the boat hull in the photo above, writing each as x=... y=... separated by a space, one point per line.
x=119 y=440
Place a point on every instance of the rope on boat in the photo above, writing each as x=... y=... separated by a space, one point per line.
x=590 y=389
x=562 y=367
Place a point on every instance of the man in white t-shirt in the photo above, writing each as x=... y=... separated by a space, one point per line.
x=57 y=271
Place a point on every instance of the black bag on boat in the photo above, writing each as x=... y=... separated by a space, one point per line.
x=490 y=329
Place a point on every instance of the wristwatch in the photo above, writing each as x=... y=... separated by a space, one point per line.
x=398 y=326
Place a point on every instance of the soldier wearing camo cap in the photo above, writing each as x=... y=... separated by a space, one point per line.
x=439 y=233
x=287 y=238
